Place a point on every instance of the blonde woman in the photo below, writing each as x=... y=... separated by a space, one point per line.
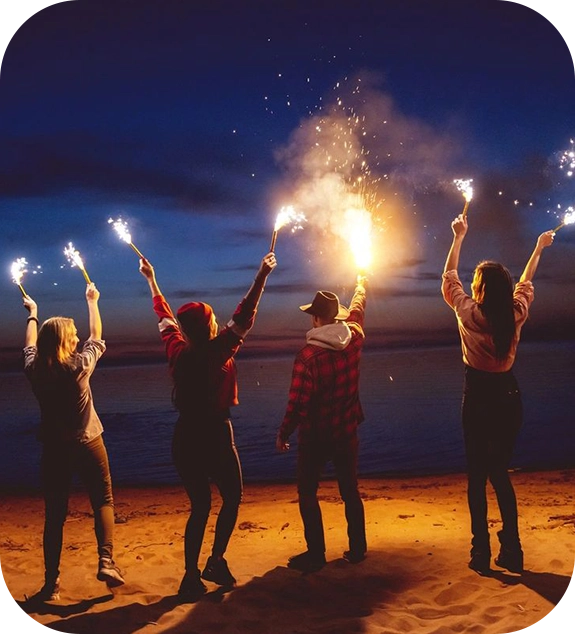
x=70 y=432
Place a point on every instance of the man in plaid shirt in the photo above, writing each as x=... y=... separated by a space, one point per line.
x=324 y=405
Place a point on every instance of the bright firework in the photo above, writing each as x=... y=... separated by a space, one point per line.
x=358 y=226
x=567 y=160
x=568 y=218
x=17 y=271
x=287 y=215
x=121 y=228
x=464 y=186
x=73 y=256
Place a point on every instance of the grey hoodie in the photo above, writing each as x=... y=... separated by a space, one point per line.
x=334 y=336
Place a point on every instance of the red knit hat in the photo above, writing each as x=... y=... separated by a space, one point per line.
x=195 y=319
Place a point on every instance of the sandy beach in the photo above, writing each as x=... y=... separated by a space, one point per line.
x=415 y=578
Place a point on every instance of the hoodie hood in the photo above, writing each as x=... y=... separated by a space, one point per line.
x=332 y=336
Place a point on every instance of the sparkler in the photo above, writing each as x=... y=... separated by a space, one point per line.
x=568 y=219
x=75 y=260
x=287 y=215
x=358 y=224
x=17 y=270
x=567 y=160
x=464 y=186
x=121 y=228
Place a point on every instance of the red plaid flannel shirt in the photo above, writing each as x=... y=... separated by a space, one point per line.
x=324 y=394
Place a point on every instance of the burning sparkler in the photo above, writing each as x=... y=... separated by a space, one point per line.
x=17 y=270
x=358 y=234
x=567 y=160
x=464 y=186
x=121 y=228
x=568 y=219
x=287 y=215
x=74 y=258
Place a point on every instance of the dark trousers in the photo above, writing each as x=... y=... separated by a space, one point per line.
x=59 y=462
x=492 y=415
x=310 y=463
x=202 y=457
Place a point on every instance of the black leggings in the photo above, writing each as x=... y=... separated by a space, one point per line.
x=492 y=415
x=202 y=457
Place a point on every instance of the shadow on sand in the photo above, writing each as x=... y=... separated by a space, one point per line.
x=546 y=584
x=336 y=599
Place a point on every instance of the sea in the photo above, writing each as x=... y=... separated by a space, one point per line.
x=411 y=399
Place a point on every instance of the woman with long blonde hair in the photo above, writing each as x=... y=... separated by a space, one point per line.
x=71 y=434
x=490 y=323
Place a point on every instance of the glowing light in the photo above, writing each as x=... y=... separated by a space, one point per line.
x=358 y=231
x=287 y=215
x=567 y=160
x=121 y=228
x=17 y=271
x=464 y=186
x=74 y=258
x=568 y=218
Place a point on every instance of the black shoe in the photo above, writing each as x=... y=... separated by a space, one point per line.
x=511 y=559
x=307 y=562
x=480 y=562
x=217 y=570
x=192 y=588
x=354 y=556
x=50 y=591
x=110 y=573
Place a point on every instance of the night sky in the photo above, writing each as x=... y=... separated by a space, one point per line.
x=196 y=122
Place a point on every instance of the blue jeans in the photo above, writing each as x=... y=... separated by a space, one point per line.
x=59 y=462
x=492 y=415
x=310 y=463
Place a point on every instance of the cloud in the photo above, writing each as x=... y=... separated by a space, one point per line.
x=182 y=173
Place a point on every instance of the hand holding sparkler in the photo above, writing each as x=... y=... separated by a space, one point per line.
x=543 y=241
x=267 y=265
x=464 y=186
x=73 y=256
x=121 y=228
x=147 y=270
x=459 y=226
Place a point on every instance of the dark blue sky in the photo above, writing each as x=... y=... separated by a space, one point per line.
x=196 y=122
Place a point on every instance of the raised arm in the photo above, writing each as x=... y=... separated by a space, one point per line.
x=147 y=270
x=544 y=240
x=459 y=228
x=92 y=297
x=31 y=336
x=246 y=311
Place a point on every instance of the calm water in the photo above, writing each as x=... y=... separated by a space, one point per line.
x=411 y=400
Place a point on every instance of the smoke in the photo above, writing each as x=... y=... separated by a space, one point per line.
x=355 y=166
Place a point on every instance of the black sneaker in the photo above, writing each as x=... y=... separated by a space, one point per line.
x=192 y=588
x=307 y=562
x=110 y=573
x=480 y=562
x=354 y=556
x=511 y=559
x=217 y=570
x=50 y=591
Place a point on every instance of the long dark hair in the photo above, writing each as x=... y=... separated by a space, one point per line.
x=493 y=291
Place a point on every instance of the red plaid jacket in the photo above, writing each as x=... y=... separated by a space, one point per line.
x=324 y=395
